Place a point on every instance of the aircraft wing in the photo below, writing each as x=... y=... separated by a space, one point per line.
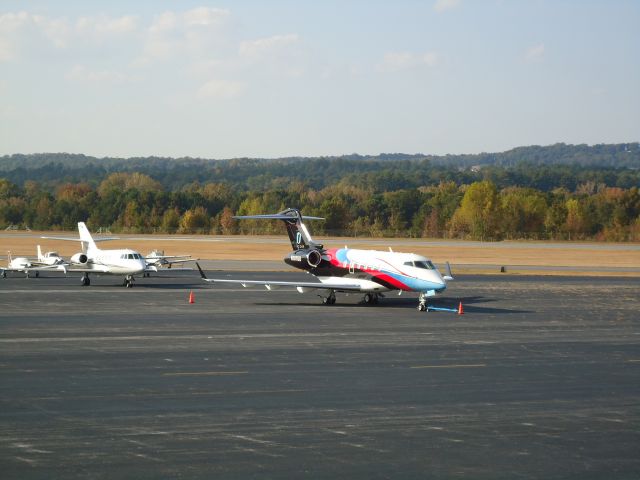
x=93 y=269
x=160 y=261
x=164 y=270
x=300 y=286
x=272 y=285
x=38 y=268
x=168 y=270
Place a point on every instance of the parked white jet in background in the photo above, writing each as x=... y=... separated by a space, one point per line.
x=91 y=259
x=370 y=272
x=25 y=265
x=157 y=258
x=50 y=258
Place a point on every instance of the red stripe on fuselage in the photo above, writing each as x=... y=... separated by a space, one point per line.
x=376 y=275
x=388 y=279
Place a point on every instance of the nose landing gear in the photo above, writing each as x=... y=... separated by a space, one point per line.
x=422 y=302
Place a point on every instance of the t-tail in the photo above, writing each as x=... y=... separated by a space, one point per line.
x=296 y=229
x=85 y=238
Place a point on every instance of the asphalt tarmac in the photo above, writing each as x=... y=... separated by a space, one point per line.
x=540 y=378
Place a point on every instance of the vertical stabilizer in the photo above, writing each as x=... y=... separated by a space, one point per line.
x=298 y=234
x=85 y=238
x=297 y=230
x=40 y=257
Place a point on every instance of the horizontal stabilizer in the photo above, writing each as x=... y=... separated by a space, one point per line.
x=275 y=216
x=103 y=239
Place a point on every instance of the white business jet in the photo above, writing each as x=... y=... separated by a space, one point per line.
x=91 y=259
x=349 y=270
x=50 y=258
x=26 y=265
x=157 y=259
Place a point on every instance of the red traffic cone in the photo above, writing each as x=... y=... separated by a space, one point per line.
x=192 y=298
x=460 y=309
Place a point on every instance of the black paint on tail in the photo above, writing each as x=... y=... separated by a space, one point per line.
x=298 y=234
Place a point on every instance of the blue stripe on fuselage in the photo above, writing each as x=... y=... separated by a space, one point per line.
x=417 y=284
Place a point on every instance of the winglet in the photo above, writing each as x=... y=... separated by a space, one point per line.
x=201 y=272
x=449 y=276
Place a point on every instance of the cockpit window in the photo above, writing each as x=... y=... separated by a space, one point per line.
x=426 y=264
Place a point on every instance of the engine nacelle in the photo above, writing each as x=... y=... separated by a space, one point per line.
x=304 y=258
x=79 y=258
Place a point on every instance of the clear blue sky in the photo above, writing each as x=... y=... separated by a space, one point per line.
x=278 y=78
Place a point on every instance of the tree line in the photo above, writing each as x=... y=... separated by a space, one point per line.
x=482 y=209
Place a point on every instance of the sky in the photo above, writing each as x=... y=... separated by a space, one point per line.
x=255 y=78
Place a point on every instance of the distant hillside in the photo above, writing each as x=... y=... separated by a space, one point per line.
x=602 y=155
x=620 y=155
x=544 y=168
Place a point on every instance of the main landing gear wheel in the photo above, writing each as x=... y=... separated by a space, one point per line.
x=370 y=298
x=330 y=300
x=85 y=280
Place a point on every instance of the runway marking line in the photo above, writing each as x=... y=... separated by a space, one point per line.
x=475 y=365
x=203 y=374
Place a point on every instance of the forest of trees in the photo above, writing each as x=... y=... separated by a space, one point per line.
x=556 y=192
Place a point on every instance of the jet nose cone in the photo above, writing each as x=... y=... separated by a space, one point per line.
x=442 y=283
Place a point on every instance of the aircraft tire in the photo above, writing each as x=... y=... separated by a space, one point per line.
x=330 y=300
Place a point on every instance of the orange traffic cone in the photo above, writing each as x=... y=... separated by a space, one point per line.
x=460 y=309
x=192 y=299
